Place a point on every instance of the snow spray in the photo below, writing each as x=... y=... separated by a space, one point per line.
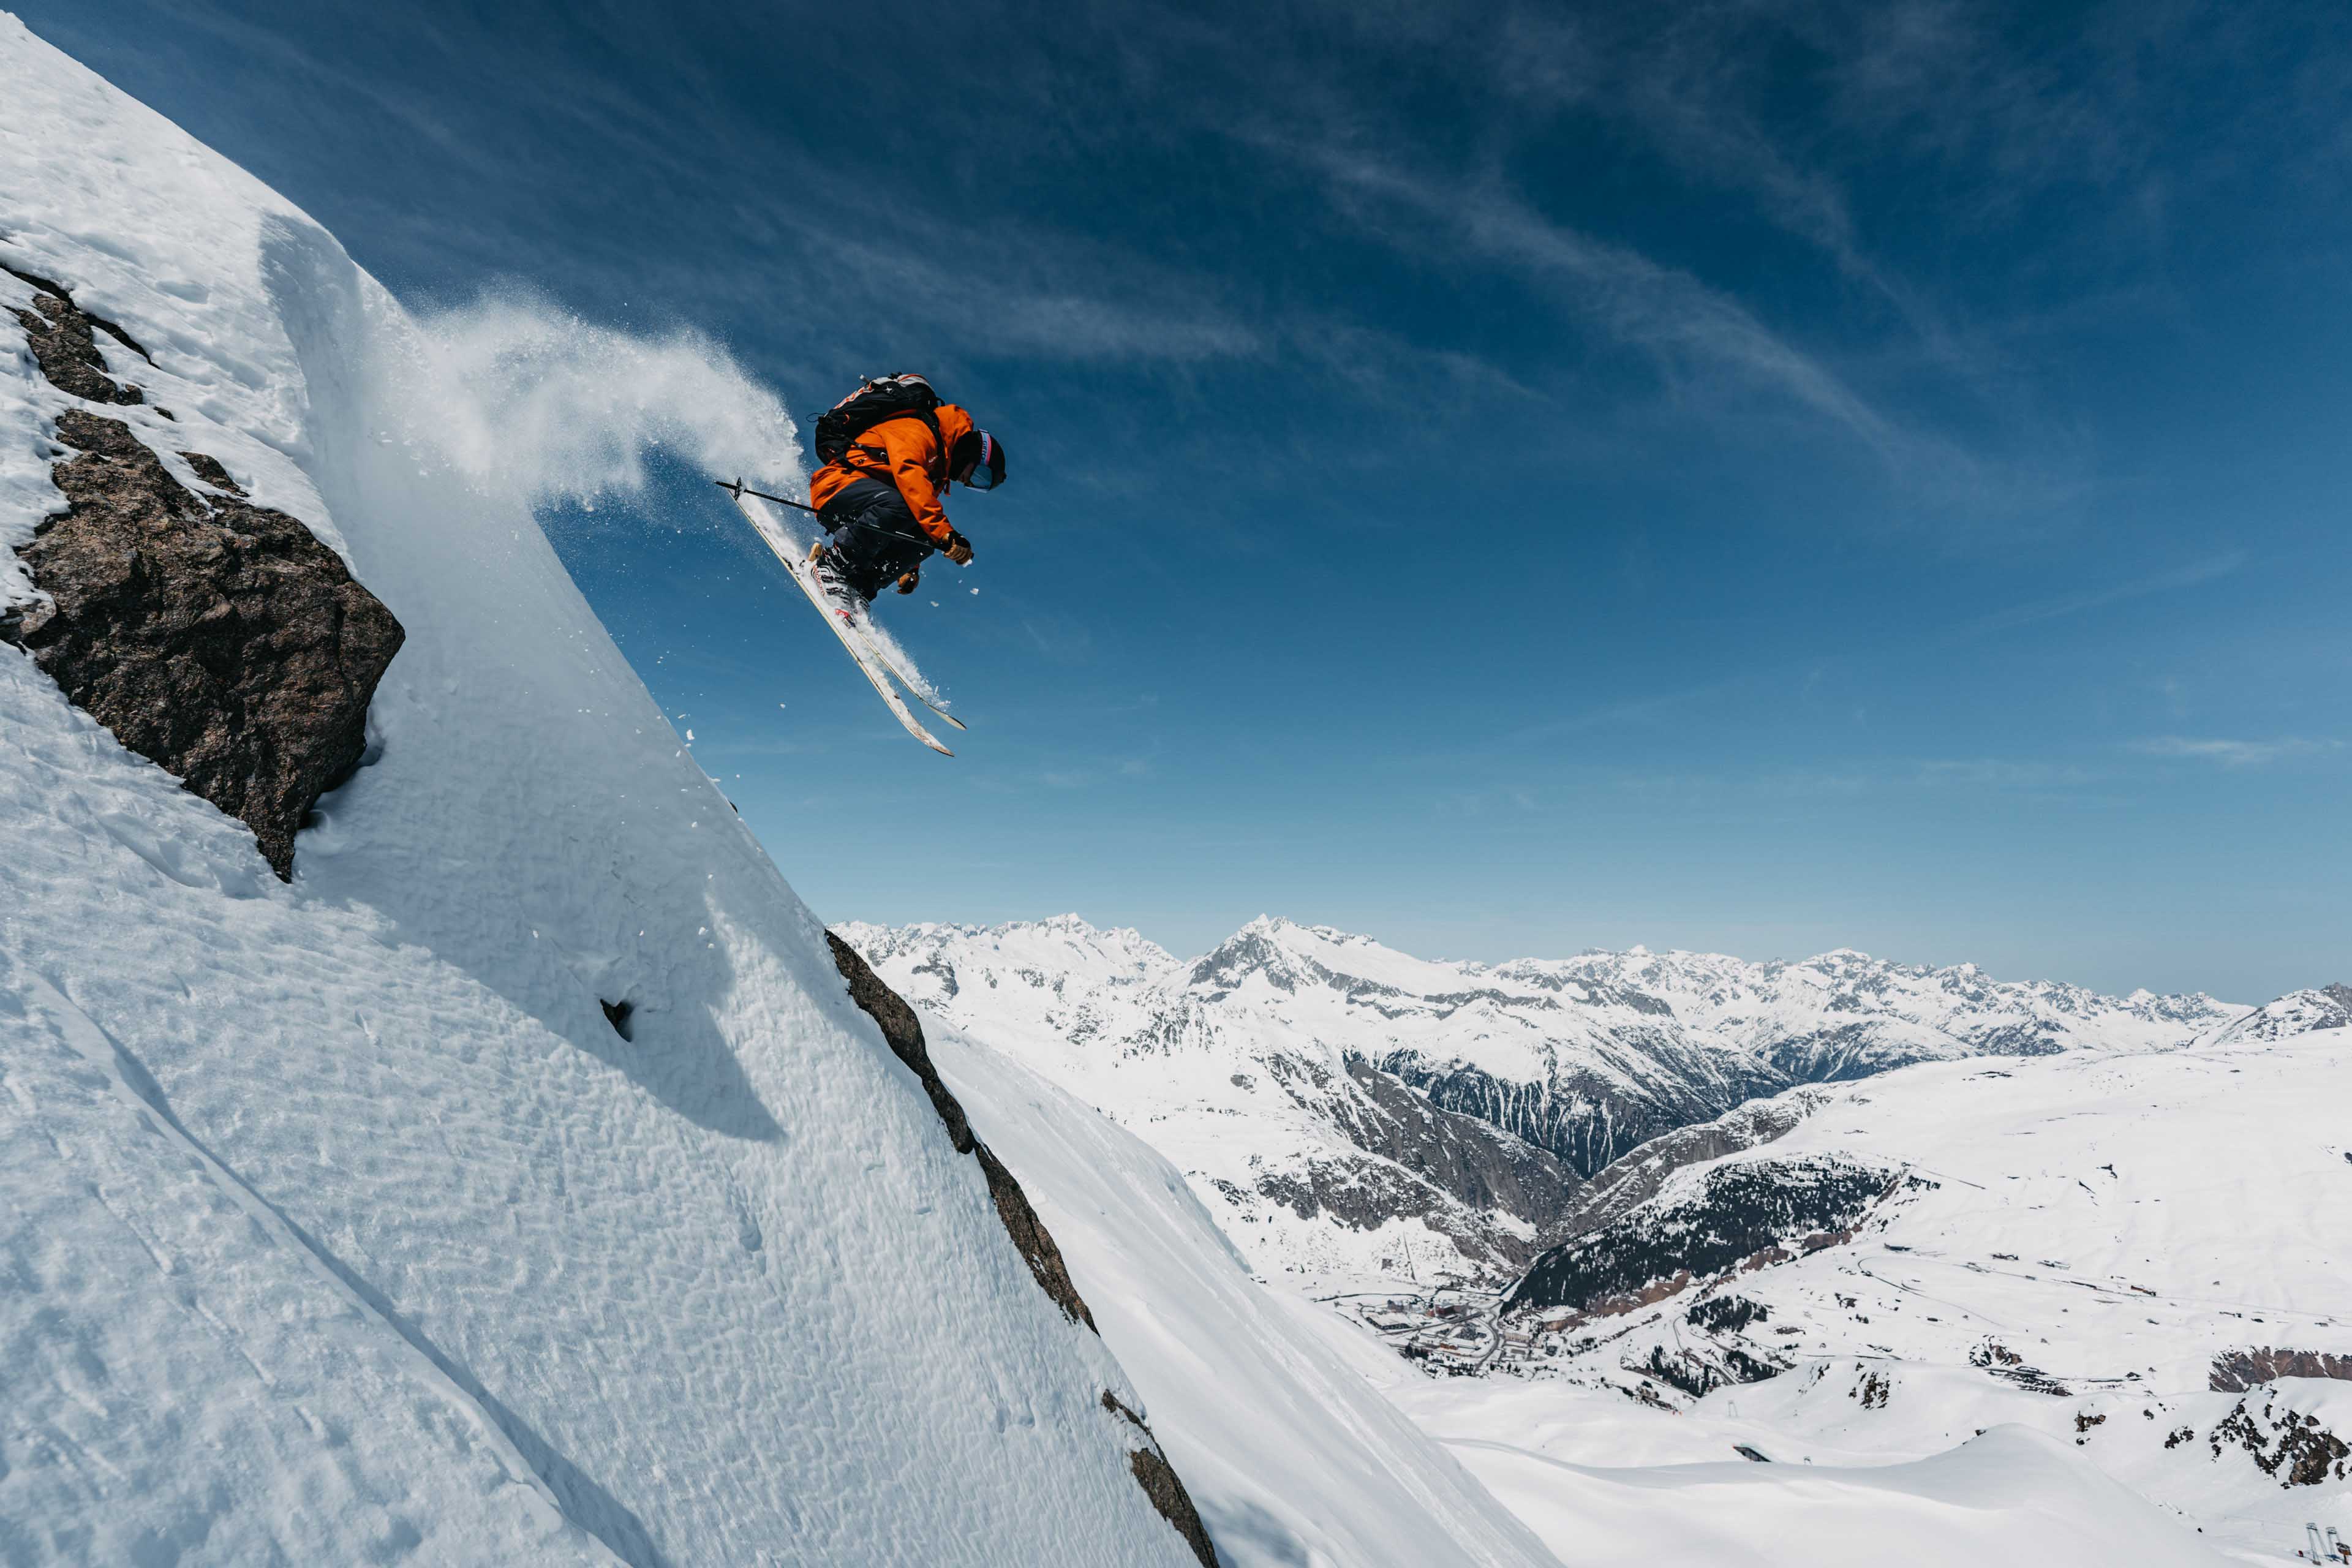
x=530 y=401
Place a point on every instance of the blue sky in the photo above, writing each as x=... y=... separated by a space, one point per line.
x=1759 y=476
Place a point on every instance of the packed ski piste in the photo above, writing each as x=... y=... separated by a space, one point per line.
x=886 y=454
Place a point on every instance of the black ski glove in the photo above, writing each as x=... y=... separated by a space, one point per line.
x=958 y=549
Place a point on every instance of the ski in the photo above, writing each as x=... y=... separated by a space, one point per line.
x=881 y=648
x=891 y=660
x=854 y=642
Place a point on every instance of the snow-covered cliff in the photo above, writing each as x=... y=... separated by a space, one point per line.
x=351 y=1218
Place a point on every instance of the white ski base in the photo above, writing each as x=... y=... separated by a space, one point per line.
x=868 y=662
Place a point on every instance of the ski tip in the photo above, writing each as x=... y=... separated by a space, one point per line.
x=953 y=719
x=937 y=747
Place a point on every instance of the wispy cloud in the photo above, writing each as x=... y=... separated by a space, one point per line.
x=998 y=312
x=2086 y=599
x=1685 y=79
x=1689 y=328
x=2230 y=753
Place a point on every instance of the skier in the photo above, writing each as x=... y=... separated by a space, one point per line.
x=889 y=451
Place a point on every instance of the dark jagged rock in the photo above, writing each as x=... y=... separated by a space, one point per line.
x=63 y=338
x=1364 y=1194
x=2235 y=1372
x=209 y=469
x=1423 y=1157
x=1032 y=1239
x=1158 y=1478
x=217 y=638
x=2284 y=1442
x=904 y=1032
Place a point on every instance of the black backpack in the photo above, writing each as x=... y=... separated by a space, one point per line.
x=885 y=398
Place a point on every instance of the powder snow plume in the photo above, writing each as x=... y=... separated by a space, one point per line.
x=527 y=400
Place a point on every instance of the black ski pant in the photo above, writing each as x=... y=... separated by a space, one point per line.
x=875 y=539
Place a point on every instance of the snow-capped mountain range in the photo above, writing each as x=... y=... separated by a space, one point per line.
x=1351 y=1111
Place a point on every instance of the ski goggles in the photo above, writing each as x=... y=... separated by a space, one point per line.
x=982 y=473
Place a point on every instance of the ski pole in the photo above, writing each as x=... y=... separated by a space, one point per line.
x=739 y=489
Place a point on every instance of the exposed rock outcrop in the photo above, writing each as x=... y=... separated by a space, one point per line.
x=217 y=638
x=1486 y=1167
x=64 y=341
x=1496 y=1197
x=1030 y=1239
x=2285 y=1442
x=904 y=1034
x=1158 y=1478
x=2235 y=1372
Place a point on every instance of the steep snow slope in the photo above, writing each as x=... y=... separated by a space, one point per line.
x=2107 y=1247
x=1258 y=1398
x=1271 y=1069
x=338 y=1224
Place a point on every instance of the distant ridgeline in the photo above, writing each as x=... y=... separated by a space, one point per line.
x=1353 y=1111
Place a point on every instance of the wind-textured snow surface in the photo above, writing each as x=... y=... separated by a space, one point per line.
x=1258 y=1397
x=337 y=1225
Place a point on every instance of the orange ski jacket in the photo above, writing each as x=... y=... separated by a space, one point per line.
x=904 y=453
